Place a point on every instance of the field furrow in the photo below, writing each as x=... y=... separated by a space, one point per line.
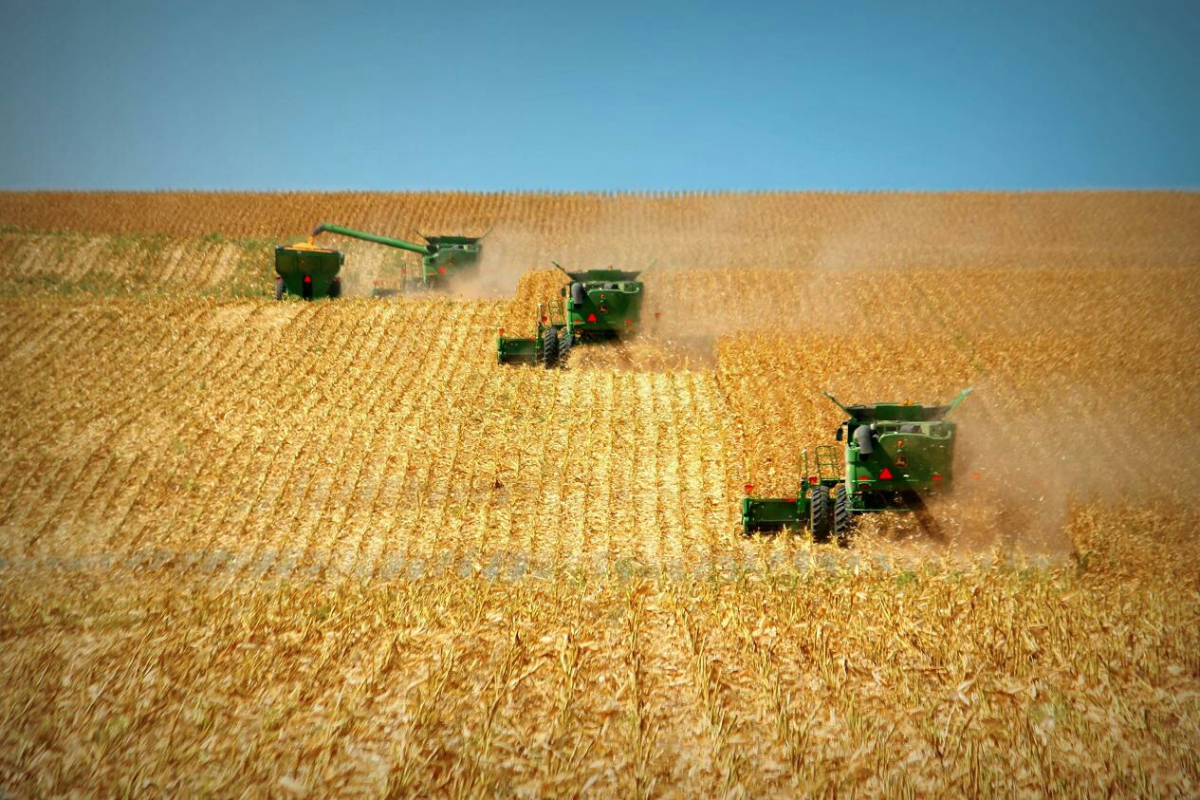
x=334 y=548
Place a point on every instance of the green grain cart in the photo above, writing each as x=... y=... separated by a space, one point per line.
x=307 y=271
x=895 y=455
x=597 y=304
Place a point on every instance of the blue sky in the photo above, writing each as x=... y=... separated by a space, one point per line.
x=620 y=95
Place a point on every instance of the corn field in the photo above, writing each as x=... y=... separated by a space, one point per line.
x=334 y=548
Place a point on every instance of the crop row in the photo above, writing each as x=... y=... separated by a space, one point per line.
x=819 y=231
x=972 y=681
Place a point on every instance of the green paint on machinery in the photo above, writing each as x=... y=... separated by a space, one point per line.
x=596 y=304
x=307 y=271
x=441 y=257
x=895 y=455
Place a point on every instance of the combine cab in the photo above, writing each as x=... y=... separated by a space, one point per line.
x=895 y=455
x=597 y=304
x=307 y=271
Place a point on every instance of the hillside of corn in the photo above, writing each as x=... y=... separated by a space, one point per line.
x=290 y=548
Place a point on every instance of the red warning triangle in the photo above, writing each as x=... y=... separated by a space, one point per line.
x=885 y=474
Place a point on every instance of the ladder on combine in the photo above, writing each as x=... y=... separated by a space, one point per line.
x=825 y=462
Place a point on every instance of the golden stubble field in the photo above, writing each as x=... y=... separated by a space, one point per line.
x=249 y=547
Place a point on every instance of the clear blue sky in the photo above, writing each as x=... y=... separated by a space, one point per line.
x=599 y=95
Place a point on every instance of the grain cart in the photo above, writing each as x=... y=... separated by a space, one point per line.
x=895 y=455
x=442 y=257
x=597 y=304
x=307 y=271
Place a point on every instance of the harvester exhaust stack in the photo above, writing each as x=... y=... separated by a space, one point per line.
x=957 y=400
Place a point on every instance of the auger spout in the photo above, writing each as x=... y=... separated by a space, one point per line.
x=412 y=247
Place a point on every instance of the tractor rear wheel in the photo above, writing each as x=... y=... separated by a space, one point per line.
x=565 y=341
x=819 y=518
x=279 y=288
x=550 y=348
x=335 y=288
x=843 y=519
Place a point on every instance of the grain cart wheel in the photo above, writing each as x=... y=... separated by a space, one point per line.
x=843 y=519
x=550 y=348
x=335 y=288
x=819 y=518
x=279 y=288
x=565 y=341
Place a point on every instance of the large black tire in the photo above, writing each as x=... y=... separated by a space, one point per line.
x=843 y=519
x=565 y=342
x=335 y=288
x=550 y=348
x=279 y=288
x=819 y=518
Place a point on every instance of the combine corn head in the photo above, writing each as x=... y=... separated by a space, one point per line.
x=309 y=271
x=596 y=304
x=895 y=455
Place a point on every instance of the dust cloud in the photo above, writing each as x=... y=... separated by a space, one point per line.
x=1027 y=467
x=507 y=252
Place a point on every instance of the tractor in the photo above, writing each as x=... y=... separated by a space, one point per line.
x=597 y=304
x=309 y=271
x=896 y=454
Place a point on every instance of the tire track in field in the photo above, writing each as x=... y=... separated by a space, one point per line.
x=140 y=501
x=391 y=478
x=164 y=478
x=533 y=420
x=299 y=328
x=245 y=381
x=335 y=442
x=572 y=541
x=478 y=490
x=461 y=324
x=314 y=422
x=191 y=396
x=541 y=492
x=115 y=423
x=310 y=402
x=452 y=402
x=385 y=388
x=645 y=526
x=422 y=532
x=37 y=339
x=553 y=516
x=601 y=515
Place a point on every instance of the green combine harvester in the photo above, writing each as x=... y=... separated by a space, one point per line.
x=895 y=455
x=597 y=304
x=308 y=271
